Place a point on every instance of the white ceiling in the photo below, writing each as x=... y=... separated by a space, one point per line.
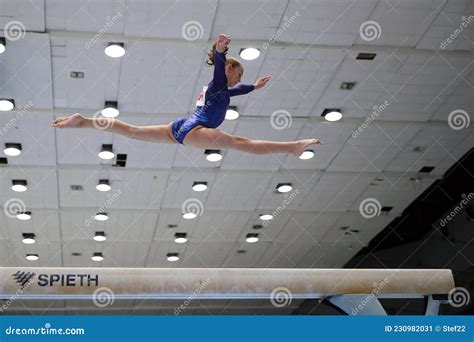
x=157 y=81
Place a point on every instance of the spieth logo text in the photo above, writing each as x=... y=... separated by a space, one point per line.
x=43 y=279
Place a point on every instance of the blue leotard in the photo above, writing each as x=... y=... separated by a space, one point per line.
x=212 y=103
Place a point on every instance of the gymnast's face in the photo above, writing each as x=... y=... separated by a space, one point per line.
x=233 y=73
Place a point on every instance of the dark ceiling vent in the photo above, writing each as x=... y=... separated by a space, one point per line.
x=76 y=254
x=366 y=56
x=76 y=74
x=241 y=251
x=171 y=226
x=76 y=187
x=347 y=85
x=426 y=169
x=121 y=160
x=3 y=160
x=257 y=226
x=386 y=210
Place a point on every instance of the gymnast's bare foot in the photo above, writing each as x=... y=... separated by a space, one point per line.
x=74 y=120
x=302 y=145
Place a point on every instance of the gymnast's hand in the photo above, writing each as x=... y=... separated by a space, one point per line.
x=260 y=83
x=222 y=42
x=72 y=121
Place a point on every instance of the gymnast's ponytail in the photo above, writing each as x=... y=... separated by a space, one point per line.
x=210 y=54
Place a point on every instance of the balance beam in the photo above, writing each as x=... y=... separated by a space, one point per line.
x=221 y=283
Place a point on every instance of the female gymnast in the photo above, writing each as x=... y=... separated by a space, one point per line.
x=200 y=129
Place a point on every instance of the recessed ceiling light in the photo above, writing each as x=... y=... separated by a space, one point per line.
x=284 y=187
x=249 y=53
x=308 y=154
x=266 y=217
x=32 y=257
x=106 y=152
x=101 y=217
x=231 y=113
x=3 y=43
x=115 y=50
x=332 y=114
x=103 y=185
x=110 y=109
x=19 y=185
x=28 y=238
x=213 y=155
x=6 y=105
x=24 y=215
x=252 y=237
x=172 y=256
x=99 y=236
x=189 y=216
x=180 y=238
x=97 y=257
x=12 y=149
x=199 y=186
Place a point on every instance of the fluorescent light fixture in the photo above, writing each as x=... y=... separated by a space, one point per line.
x=115 y=50
x=249 y=54
x=106 y=152
x=28 y=238
x=103 y=185
x=19 y=185
x=199 y=186
x=110 y=109
x=7 y=105
x=12 y=149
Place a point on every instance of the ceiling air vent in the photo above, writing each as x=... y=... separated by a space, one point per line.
x=76 y=187
x=348 y=85
x=3 y=160
x=426 y=169
x=366 y=56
